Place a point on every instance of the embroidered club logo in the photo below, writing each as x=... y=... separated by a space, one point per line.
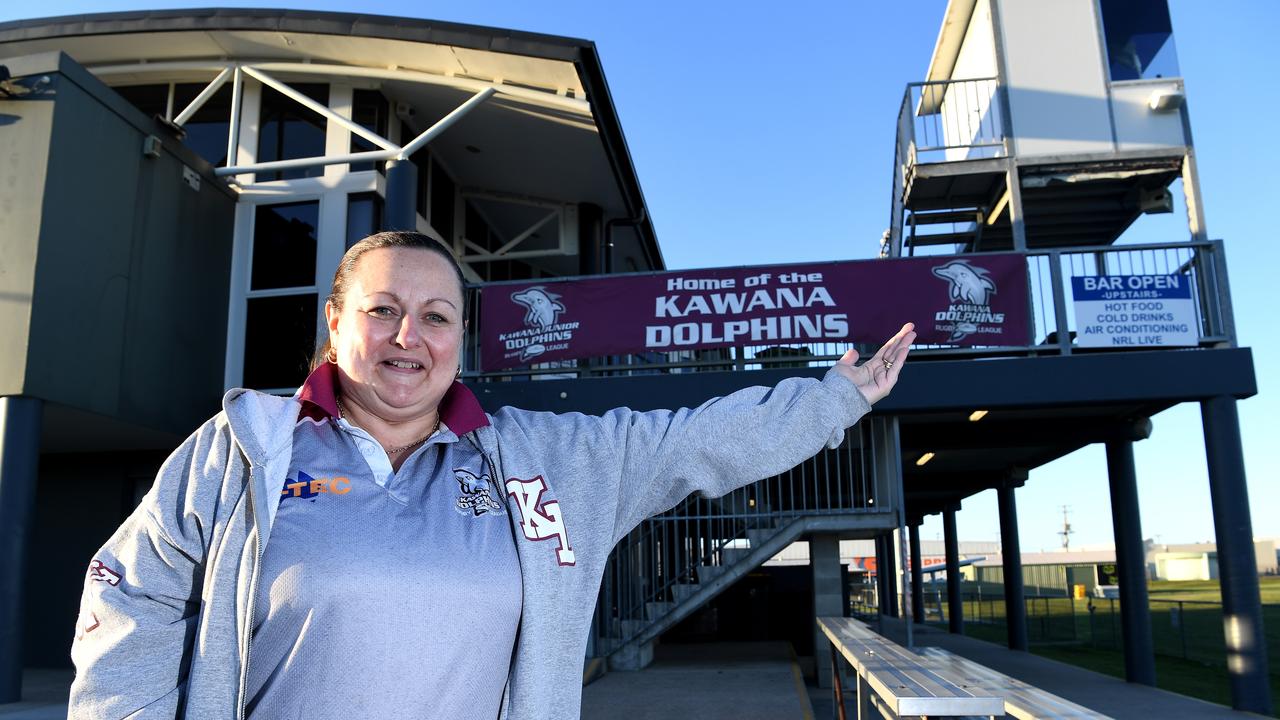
x=541 y=519
x=101 y=573
x=970 y=292
x=475 y=499
x=543 y=330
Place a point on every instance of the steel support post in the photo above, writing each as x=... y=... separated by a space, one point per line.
x=1131 y=565
x=882 y=601
x=1237 y=564
x=1017 y=218
x=891 y=574
x=917 y=576
x=1015 y=606
x=955 y=610
x=824 y=561
x=19 y=458
x=402 y=196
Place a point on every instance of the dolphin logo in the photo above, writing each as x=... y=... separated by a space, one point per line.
x=475 y=498
x=968 y=283
x=542 y=307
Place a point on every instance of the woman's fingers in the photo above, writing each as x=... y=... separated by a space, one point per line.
x=889 y=349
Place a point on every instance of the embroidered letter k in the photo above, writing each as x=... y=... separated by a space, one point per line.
x=540 y=520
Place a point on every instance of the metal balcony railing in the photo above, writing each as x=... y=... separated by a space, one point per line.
x=1049 y=272
x=949 y=120
x=701 y=538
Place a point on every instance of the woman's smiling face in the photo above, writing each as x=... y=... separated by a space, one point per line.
x=398 y=333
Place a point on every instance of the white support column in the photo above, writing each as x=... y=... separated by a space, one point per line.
x=337 y=139
x=331 y=243
x=250 y=125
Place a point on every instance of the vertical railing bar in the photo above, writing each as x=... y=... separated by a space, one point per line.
x=1059 y=303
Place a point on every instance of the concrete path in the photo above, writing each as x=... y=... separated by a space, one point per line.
x=754 y=681
x=44 y=696
x=1103 y=693
x=715 y=681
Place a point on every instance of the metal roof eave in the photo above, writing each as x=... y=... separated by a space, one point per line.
x=955 y=23
x=581 y=53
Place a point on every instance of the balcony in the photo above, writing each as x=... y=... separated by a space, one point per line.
x=1201 y=265
x=955 y=153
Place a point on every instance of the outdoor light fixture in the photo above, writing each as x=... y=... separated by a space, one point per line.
x=977 y=415
x=924 y=458
x=1166 y=99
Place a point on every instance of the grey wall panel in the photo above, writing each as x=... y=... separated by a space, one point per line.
x=1057 y=82
x=82 y=270
x=133 y=269
x=172 y=374
x=25 y=128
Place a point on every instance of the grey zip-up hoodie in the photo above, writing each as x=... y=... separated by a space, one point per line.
x=166 y=614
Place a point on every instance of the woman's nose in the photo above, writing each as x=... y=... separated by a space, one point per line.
x=409 y=336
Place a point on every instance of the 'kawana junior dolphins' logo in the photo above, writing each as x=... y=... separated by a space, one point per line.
x=543 y=329
x=475 y=498
x=970 y=295
x=543 y=308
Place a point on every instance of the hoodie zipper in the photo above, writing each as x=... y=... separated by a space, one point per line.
x=247 y=638
x=473 y=438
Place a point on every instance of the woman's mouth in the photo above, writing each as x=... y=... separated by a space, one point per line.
x=403 y=364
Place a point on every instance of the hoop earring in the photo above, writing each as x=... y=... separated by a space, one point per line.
x=331 y=355
x=458 y=375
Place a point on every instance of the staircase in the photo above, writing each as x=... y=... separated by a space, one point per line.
x=674 y=563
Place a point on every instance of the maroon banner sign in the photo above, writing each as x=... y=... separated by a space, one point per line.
x=955 y=300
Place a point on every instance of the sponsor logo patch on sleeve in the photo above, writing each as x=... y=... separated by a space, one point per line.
x=99 y=572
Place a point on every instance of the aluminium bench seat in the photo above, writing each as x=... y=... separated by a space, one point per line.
x=898 y=681
x=1022 y=701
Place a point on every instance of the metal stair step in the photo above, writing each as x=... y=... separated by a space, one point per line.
x=759 y=536
x=682 y=592
x=655 y=610
x=731 y=556
x=707 y=573
x=631 y=628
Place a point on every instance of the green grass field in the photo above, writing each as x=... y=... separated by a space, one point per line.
x=1186 y=629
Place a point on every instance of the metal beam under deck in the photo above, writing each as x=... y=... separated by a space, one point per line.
x=1040 y=408
x=928 y=385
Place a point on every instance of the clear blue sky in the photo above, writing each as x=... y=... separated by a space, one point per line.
x=762 y=133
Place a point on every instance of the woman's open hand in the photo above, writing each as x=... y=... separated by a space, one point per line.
x=877 y=376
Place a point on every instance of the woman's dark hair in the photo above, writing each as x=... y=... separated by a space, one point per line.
x=378 y=241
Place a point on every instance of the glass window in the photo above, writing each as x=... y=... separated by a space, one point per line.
x=206 y=129
x=475 y=229
x=284 y=245
x=364 y=216
x=442 y=191
x=422 y=163
x=150 y=99
x=1139 y=39
x=279 y=338
x=289 y=130
x=369 y=111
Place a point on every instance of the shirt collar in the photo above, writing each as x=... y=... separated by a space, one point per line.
x=460 y=411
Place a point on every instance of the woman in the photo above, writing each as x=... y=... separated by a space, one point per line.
x=425 y=559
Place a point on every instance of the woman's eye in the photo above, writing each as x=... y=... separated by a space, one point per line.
x=382 y=311
x=436 y=318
